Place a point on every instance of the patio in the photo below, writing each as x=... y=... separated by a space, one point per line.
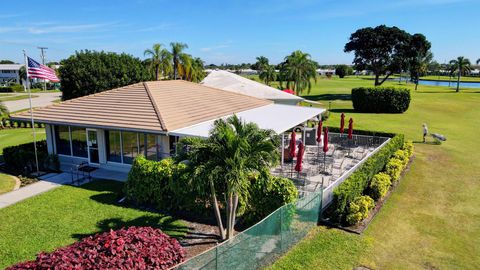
x=323 y=170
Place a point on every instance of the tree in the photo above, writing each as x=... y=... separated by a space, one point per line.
x=177 y=51
x=3 y=113
x=5 y=61
x=223 y=162
x=379 y=49
x=418 y=55
x=198 y=71
x=160 y=60
x=478 y=61
x=268 y=74
x=462 y=66
x=299 y=69
x=261 y=64
x=342 y=71
x=88 y=72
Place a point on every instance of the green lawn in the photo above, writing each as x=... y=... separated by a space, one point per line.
x=66 y=214
x=433 y=219
x=7 y=183
x=16 y=136
x=17 y=97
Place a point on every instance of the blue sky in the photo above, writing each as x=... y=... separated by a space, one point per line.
x=231 y=31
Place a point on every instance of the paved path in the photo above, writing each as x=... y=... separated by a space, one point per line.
x=43 y=99
x=52 y=181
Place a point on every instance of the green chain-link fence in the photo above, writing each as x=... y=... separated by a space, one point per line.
x=263 y=243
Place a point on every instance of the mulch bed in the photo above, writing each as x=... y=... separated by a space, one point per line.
x=200 y=238
x=363 y=225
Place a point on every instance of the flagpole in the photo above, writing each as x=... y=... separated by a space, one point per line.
x=31 y=113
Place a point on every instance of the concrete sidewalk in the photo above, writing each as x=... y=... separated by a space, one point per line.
x=50 y=181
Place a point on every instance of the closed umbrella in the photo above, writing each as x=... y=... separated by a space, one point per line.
x=325 y=149
x=301 y=150
x=292 y=146
x=350 y=129
x=319 y=132
x=342 y=123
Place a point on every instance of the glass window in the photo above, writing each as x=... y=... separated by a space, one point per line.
x=151 y=149
x=130 y=146
x=114 y=151
x=62 y=140
x=79 y=142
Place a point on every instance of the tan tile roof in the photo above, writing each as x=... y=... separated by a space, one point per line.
x=152 y=106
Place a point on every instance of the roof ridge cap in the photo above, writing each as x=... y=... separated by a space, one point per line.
x=155 y=107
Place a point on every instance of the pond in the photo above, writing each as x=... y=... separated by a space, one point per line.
x=451 y=84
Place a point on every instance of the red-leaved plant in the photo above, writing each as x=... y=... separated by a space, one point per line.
x=130 y=248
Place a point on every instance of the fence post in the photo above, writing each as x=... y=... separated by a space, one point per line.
x=281 y=231
x=216 y=258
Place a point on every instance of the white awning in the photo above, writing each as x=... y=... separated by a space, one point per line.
x=277 y=117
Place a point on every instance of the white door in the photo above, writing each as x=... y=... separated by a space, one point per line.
x=92 y=143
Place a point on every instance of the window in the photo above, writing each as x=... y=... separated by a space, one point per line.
x=129 y=146
x=151 y=149
x=79 y=142
x=114 y=150
x=62 y=140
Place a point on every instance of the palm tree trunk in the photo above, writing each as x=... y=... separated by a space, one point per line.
x=229 y=217
x=216 y=209
x=156 y=72
x=458 y=80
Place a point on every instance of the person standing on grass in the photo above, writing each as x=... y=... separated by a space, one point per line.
x=425 y=132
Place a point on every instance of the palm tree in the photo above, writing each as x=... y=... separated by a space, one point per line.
x=223 y=162
x=177 y=50
x=299 y=69
x=155 y=54
x=198 y=71
x=3 y=113
x=268 y=74
x=462 y=66
x=262 y=63
x=185 y=66
x=419 y=67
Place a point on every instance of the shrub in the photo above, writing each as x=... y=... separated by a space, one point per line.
x=408 y=148
x=379 y=185
x=267 y=194
x=359 y=209
x=131 y=248
x=163 y=184
x=20 y=159
x=358 y=181
x=402 y=156
x=394 y=169
x=381 y=99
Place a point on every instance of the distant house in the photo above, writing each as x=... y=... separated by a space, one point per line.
x=10 y=73
x=109 y=129
x=237 y=84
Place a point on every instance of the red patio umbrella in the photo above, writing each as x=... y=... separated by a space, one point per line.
x=292 y=146
x=289 y=91
x=342 y=123
x=319 y=132
x=325 y=140
x=301 y=150
x=350 y=129
x=325 y=149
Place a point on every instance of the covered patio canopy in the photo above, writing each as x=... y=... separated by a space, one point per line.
x=277 y=117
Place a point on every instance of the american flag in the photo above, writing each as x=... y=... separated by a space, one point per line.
x=37 y=70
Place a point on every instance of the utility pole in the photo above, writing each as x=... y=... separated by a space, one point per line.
x=42 y=54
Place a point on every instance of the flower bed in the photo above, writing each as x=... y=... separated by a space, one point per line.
x=127 y=248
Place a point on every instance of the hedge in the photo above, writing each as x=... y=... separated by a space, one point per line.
x=381 y=99
x=359 y=209
x=359 y=181
x=20 y=159
x=163 y=184
x=131 y=248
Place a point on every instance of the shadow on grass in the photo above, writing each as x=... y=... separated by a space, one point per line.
x=343 y=111
x=164 y=223
x=329 y=97
x=430 y=143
